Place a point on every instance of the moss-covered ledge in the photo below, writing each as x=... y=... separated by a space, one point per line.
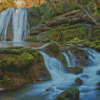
x=21 y=66
x=54 y=51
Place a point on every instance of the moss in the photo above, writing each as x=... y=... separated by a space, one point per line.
x=33 y=39
x=68 y=33
x=75 y=70
x=78 y=81
x=62 y=98
x=87 y=44
x=53 y=48
x=62 y=59
x=76 y=39
x=18 y=69
x=8 y=84
x=69 y=94
x=92 y=46
x=97 y=48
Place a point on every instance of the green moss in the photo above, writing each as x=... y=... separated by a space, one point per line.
x=69 y=94
x=87 y=44
x=92 y=46
x=75 y=70
x=62 y=59
x=53 y=48
x=62 y=98
x=33 y=39
x=97 y=48
x=72 y=7
x=76 y=39
x=78 y=81
x=68 y=33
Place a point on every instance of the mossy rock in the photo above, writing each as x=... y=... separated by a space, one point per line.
x=8 y=84
x=62 y=98
x=69 y=94
x=78 y=81
x=32 y=39
x=87 y=44
x=53 y=49
x=75 y=70
x=92 y=46
x=97 y=48
x=21 y=66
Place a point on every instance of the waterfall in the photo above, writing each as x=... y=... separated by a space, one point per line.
x=54 y=66
x=67 y=59
x=14 y=24
x=72 y=58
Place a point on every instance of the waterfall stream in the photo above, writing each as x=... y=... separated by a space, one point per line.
x=62 y=80
x=14 y=25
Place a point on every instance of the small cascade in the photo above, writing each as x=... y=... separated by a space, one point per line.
x=54 y=66
x=67 y=59
x=14 y=25
x=72 y=58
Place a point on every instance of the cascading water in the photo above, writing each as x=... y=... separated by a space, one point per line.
x=62 y=80
x=13 y=22
x=67 y=59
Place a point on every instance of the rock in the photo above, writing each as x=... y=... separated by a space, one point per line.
x=49 y=89
x=53 y=49
x=21 y=66
x=75 y=70
x=97 y=48
x=98 y=83
x=78 y=81
x=98 y=72
x=81 y=55
x=69 y=94
x=39 y=29
x=85 y=76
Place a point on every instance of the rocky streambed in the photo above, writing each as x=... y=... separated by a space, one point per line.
x=67 y=70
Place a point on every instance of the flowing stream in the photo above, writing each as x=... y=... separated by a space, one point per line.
x=61 y=80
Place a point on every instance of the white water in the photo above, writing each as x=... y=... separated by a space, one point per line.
x=72 y=58
x=16 y=19
x=67 y=59
x=62 y=80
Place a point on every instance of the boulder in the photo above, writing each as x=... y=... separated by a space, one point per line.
x=78 y=81
x=98 y=72
x=69 y=94
x=75 y=70
x=21 y=66
x=85 y=76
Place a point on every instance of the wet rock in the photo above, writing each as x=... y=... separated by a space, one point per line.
x=69 y=94
x=49 y=89
x=75 y=70
x=98 y=72
x=81 y=55
x=97 y=48
x=78 y=81
x=98 y=84
x=54 y=51
x=85 y=76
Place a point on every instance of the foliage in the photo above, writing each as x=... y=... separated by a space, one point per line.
x=33 y=39
x=67 y=33
x=7 y=4
x=72 y=7
x=96 y=11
